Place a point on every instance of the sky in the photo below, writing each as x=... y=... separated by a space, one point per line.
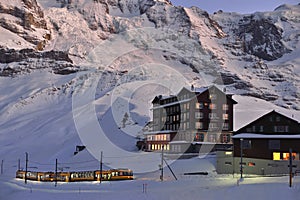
x=240 y=6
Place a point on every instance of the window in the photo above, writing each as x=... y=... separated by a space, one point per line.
x=199 y=137
x=212 y=138
x=251 y=164
x=199 y=125
x=276 y=156
x=278 y=119
x=246 y=144
x=279 y=129
x=286 y=156
x=225 y=126
x=198 y=115
x=213 y=96
x=188 y=106
x=225 y=116
x=261 y=128
x=212 y=106
x=213 y=125
x=225 y=138
x=274 y=144
x=225 y=107
x=199 y=105
x=212 y=116
x=286 y=128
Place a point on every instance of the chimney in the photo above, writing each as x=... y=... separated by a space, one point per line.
x=192 y=87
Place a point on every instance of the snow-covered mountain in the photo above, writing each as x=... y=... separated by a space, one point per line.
x=62 y=60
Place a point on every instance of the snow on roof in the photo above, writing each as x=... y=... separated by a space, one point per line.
x=204 y=143
x=171 y=104
x=262 y=136
x=159 y=132
x=180 y=142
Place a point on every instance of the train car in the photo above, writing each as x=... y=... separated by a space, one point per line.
x=46 y=176
x=30 y=175
x=115 y=174
x=63 y=176
x=20 y=174
x=82 y=176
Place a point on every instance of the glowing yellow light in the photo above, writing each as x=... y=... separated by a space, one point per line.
x=276 y=156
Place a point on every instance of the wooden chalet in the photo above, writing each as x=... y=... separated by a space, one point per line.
x=265 y=144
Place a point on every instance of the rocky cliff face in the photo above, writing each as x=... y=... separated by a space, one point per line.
x=26 y=19
x=253 y=54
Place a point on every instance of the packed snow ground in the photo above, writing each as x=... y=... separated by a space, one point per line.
x=212 y=186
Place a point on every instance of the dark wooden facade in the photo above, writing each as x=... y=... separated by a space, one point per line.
x=269 y=137
x=192 y=116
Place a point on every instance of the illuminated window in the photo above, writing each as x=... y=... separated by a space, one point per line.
x=251 y=164
x=199 y=137
x=212 y=106
x=225 y=116
x=228 y=153
x=198 y=125
x=225 y=107
x=199 y=105
x=286 y=156
x=276 y=156
x=213 y=96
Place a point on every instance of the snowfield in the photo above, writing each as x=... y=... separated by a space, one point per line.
x=107 y=103
x=42 y=124
x=212 y=186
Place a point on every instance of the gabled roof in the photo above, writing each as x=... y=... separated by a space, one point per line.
x=273 y=112
x=196 y=91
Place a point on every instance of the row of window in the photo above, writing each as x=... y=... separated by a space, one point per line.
x=155 y=147
x=212 y=106
x=212 y=125
x=198 y=137
x=161 y=137
x=276 y=129
x=285 y=156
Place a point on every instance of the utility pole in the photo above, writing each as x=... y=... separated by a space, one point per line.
x=162 y=163
x=101 y=166
x=2 y=166
x=291 y=166
x=55 y=172
x=171 y=170
x=26 y=166
x=241 y=164
x=19 y=164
